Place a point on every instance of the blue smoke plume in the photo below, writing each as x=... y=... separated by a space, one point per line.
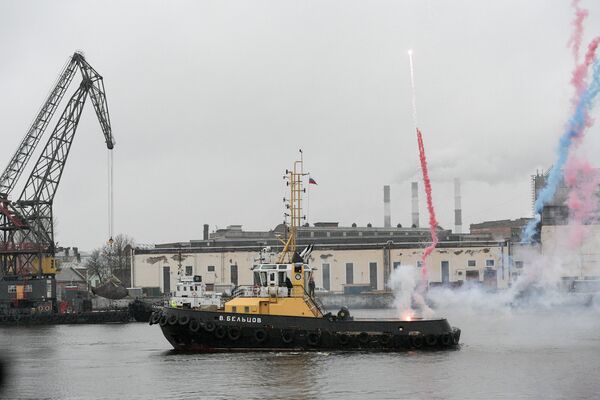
x=575 y=127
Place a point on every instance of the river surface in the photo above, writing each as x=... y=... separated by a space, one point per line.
x=528 y=354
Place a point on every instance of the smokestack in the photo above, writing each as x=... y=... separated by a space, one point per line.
x=387 y=213
x=457 y=207
x=415 y=204
x=205 y=235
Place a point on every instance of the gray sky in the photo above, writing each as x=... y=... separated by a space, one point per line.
x=210 y=101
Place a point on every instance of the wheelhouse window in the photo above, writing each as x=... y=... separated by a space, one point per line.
x=189 y=270
x=211 y=268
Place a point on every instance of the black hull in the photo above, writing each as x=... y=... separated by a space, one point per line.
x=213 y=331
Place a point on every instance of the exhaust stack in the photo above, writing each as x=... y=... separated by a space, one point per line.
x=457 y=207
x=415 y=204
x=387 y=213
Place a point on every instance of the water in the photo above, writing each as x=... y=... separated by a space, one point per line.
x=504 y=355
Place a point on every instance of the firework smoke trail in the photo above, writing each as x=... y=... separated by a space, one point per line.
x=580 y=177
x=432 y=220
x=575 y=127
x=581 y=70
x=575 y=39
x=583 y=180
x=427 y=182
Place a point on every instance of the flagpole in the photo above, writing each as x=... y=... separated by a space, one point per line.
x=308 y=202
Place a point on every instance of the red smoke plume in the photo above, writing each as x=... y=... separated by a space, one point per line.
x=432 y=220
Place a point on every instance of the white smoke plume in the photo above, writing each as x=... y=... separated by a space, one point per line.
x=408 y=302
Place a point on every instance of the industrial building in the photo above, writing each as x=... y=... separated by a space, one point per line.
x=343 y=256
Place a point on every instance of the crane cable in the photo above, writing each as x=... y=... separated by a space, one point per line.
x=111 y=199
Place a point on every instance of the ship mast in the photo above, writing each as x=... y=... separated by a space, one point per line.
x=294 y=205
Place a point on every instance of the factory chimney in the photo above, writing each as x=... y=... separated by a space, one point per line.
x=457 y=207
x=387 y=213
x=415 y=204
x=205 y=236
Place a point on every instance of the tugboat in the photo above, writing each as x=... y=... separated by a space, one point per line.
x=278 y=314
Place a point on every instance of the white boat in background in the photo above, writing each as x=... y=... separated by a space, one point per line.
x=190 y=292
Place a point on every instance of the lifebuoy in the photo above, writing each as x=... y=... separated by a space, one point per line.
x=287 y=337
x=210 y=326
x=343 y=339
x=220 y=332
x=234 y=333
x=172 y=319
x=446 y=339
x=194 y=325
x=431 y=340
x=163 y=320
x=363 y=338
x=260 y=335
x=184 y=320
x=313 y=338
x=417 y=341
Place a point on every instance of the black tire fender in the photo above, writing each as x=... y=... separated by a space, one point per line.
x=261 y=335
x=456 y=337
x=446 y=339
x=163 y=320
x=417 y=341
x=313 y=338
x=220 y=332
x=184 y=320
x=364 y=338
x=155 y=317
x=431 y=340
x=287 y=337
x=194 y=325
x=234 y=333
x=172 y=319
x=210 y=326
x=385 y=340
x=343 y=339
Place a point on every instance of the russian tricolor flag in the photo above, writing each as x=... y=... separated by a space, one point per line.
x=311 y=181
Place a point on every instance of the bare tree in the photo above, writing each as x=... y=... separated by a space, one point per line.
x=113 y=260
x=96 y=266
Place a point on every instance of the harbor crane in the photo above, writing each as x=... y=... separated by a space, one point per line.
x=27 y=246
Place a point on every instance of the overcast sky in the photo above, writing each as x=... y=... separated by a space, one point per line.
x=211 y=100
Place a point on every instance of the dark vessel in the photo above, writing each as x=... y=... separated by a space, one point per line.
x=277 y=313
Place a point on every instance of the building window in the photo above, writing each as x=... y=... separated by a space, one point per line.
x=211 y=268
x=519 y=264
x=472 y=263
x=396 y=264
x=349 y=273
x=189 y=270
x=489 y=263
x=419 y=264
